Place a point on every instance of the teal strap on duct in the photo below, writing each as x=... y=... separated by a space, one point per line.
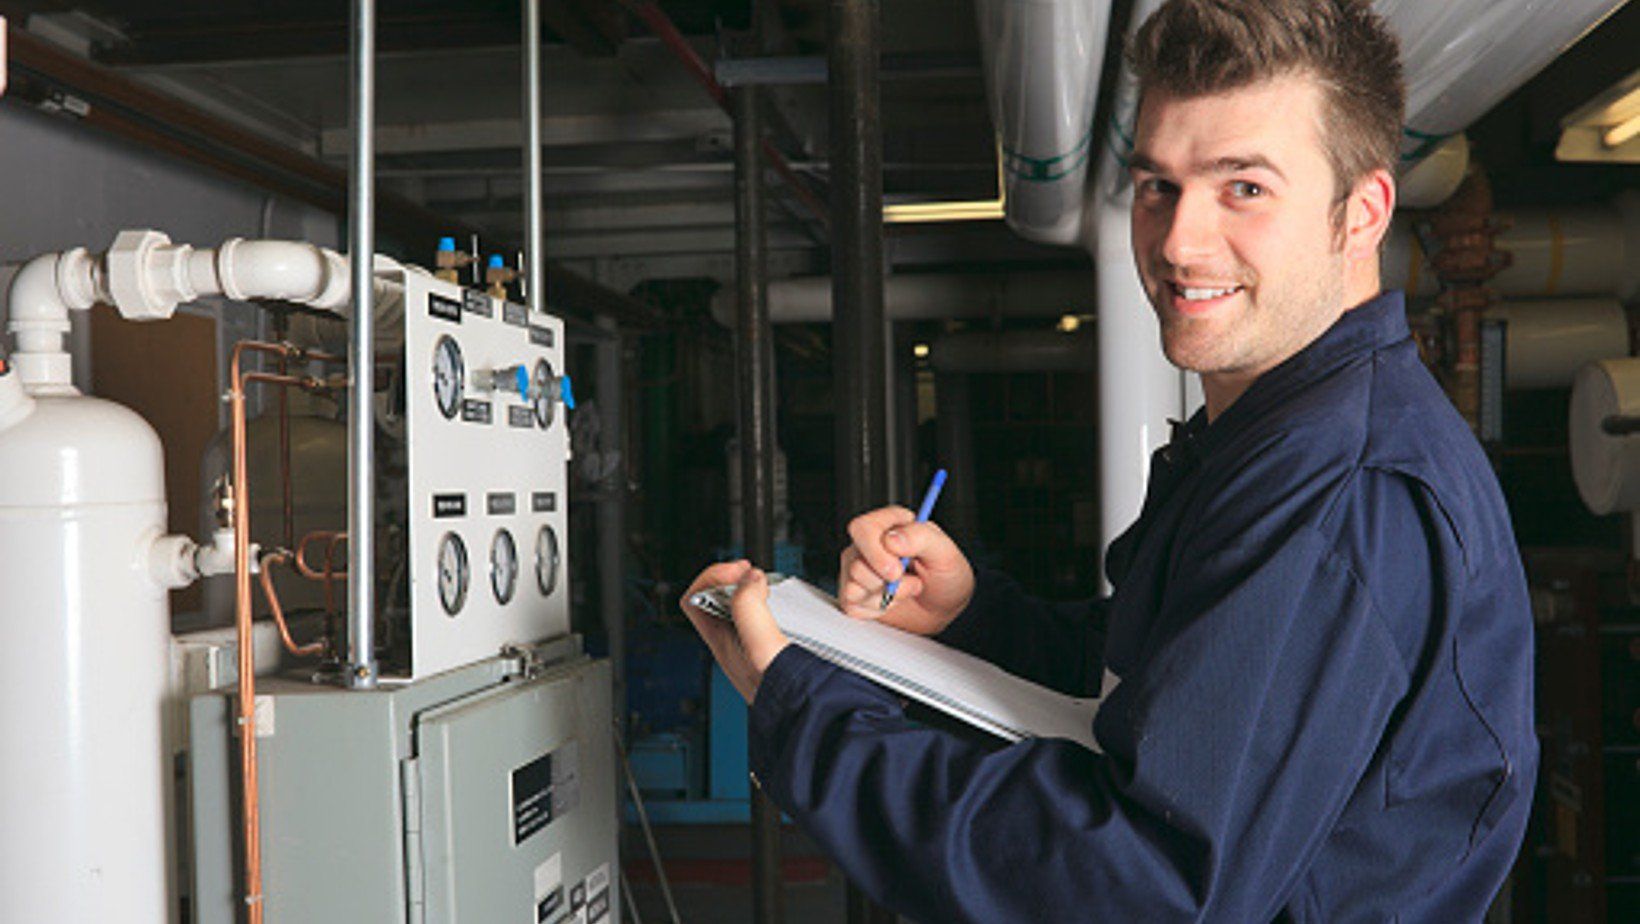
x=1047 y=169
x=1427 y=142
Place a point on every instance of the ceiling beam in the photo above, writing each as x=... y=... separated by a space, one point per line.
x=114 y=103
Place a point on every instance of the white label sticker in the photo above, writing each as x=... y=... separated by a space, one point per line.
x=549 y=875
x=598 y=879
x=549 y=890
x=265 y=726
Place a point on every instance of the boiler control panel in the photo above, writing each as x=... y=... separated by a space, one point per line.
x=486 y=405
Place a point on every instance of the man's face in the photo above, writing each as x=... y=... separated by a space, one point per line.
x=1233 y=227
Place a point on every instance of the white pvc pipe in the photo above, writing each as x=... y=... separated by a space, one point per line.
x=1139 y=390
x=1548 y=341
x=146 y=277
x=1042 y=63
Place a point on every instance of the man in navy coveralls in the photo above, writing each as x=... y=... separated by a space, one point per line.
x=1320 y=623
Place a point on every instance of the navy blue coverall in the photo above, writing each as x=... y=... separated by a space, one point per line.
x=1321 y=629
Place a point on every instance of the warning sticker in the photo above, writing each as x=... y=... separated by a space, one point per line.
x=546 y=788
x=598 y=894
x=549 y=889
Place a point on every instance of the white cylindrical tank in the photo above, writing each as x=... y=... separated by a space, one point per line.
x=84 y=629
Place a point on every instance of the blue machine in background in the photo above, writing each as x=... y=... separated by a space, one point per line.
x=687 y=723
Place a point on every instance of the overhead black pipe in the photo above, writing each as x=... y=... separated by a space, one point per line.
x=859 y=370
x=754 y=389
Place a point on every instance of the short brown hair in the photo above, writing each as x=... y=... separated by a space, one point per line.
x=1196 y=47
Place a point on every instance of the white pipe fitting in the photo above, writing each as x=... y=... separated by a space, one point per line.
x=176 y=561
x=146 y=277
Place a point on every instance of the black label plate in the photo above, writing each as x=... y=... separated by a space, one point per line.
x=449 y=505
x=477 y=302
x=446 y=308
x=501 y=504
x=476 y=411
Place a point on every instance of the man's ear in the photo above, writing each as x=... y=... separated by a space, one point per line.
x=1367 y=214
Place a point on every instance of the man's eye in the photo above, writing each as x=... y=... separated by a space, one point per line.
x=1155 y=186
x=1244 y=189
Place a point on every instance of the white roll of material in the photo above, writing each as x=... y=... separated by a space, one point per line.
x=1606 y=466
x=1549 y=340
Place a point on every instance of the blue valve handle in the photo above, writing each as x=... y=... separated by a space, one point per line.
x=566 y=391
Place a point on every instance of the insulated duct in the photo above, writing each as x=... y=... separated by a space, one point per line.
x=1042 y=63
x=1552 y=254
x=1043 y=60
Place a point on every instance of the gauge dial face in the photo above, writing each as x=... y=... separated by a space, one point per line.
x=546 y=560
x=503 y=566
x=449 y=371
x=454 y=575
x=541 y=390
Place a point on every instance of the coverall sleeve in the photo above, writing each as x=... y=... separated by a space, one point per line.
x=1059 y=645
x=1226 y=762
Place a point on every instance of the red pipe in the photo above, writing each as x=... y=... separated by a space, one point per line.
x=663 y=27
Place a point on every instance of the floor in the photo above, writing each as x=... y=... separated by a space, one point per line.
x=709 y=870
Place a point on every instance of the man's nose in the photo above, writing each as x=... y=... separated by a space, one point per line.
x=1193 y=233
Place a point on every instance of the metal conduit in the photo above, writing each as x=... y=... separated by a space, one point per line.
x=754 y=386
x=361 y=457
x=534 y=246
x=859 y=368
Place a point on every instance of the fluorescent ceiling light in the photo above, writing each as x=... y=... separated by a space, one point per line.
x=904 y=213
x=1622 y=132
x=1606 y=128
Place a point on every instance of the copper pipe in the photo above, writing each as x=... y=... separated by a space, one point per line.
x=266 y=577
x=308 y=571
x=287 y=494
x=250 y=808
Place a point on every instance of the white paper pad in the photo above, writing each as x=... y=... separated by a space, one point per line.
x=952 y=681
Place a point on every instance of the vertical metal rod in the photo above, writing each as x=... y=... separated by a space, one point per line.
x=857 y=280
x=611 y=507
x=754 y=386
x=361 y=456
x=534 y=243
x=857 y=258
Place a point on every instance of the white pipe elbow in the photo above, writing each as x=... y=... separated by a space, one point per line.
x=40 y=298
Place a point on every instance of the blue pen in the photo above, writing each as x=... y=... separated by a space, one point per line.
x=927 y=508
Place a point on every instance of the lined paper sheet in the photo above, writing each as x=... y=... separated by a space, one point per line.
x=922 y=669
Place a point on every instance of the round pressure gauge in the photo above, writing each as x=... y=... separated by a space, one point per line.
x=541 y=393
x=448 y=374
x=453 y=573
x=503 y=566
x=546 y=560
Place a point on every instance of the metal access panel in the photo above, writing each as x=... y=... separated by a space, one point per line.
x=487 y=440
x=486 y=794
x=516 y=804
